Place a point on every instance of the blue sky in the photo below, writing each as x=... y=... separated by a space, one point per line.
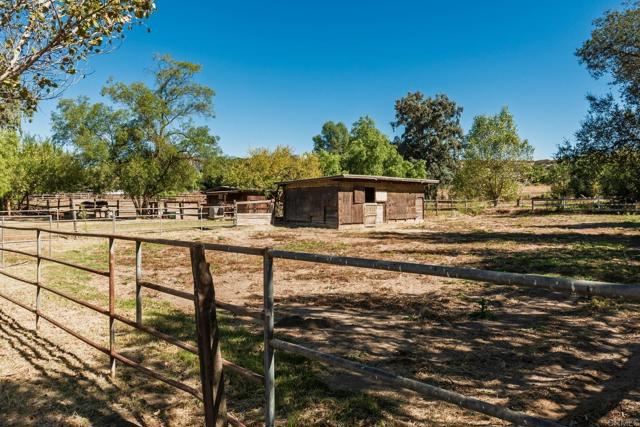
x=281 y=69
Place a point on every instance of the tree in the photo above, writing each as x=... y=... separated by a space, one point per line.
x=43 y=41
x=614 y=49
x=8 y=148
x=495 y=159
x=371 y=153
x=602 y=157
x=96 y=133
x=431 y=132
x=150 y=146
x=42 y=167
x=334 y=138
x=263 y=168
x=364 y=151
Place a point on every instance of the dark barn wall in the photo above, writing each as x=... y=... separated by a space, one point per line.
x=311 y=205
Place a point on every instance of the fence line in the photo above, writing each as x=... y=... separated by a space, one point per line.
x=534 y=204
x=266 y=317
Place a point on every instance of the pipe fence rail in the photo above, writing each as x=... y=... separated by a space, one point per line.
x=212 y=365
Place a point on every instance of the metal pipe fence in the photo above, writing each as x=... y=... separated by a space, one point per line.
x=267 y=315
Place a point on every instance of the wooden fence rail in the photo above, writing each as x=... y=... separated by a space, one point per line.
x=212 y=393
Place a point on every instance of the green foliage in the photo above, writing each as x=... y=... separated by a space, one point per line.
x=431 y=133
x=560 y=178
x=150 y=146
x=8 y=157
x=333 y=138
x=94 y=132
x=495 y=159
x=263 y=168
x=43 y=41
x=604 y=158
x=366 y=152
x=612 y=49
x=43 y=167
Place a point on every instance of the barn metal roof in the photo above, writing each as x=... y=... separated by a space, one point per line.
x=350 y=177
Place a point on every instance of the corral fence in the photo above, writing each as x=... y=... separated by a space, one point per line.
x=587 y=205
x=211 y=364
x=155 y=220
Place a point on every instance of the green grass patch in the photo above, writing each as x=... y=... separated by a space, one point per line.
x=314 y=246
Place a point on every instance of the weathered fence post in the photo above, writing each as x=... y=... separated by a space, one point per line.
x=112 y=305
x=211 y=372
x=2 y=242
x=113 y=222
x=269 y=357
x=436 y=206
x=235 y=213
x=138 y=280
x=75 y=221
x=38 y=275
x=50 y=234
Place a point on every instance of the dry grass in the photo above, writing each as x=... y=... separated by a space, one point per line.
x=567 y=358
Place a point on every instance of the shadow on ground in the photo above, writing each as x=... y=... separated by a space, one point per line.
x=606 y=256
x=559 y=357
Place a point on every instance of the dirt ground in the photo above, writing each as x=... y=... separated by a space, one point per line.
x=559 y=356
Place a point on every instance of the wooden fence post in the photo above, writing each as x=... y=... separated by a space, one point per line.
x=112 y=305
x=269 y=359
x=2 y=243
x=38 y=275
x=211 y=372
x=75 y=221
x=138 y=280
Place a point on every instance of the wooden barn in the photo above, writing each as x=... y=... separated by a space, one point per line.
x=344 y=201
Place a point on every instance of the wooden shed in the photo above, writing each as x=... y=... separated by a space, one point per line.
x=227 y=195
x=344 y=201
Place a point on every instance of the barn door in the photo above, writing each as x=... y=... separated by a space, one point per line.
x=419 y=208
x=379 y=213
x=370 y=213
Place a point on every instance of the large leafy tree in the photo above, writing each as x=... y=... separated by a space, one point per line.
x=371 y=153
x=43 y=41
x=263 y=168
x=602 y=157
x=333 y=138
x=431 y=132
x=365 y=151
x=96 y=132
x=42 y=168
x=495 y=159
x=150 y=145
